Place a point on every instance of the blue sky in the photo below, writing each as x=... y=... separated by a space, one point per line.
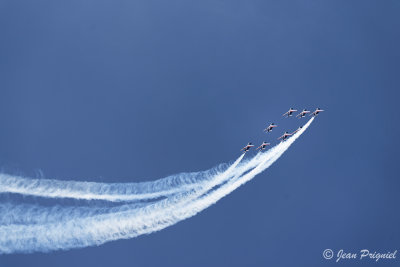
x=124 y=91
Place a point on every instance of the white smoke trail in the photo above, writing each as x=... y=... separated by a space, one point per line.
x=79 y=215
x=98 y=229
x=34 y=214
x=114 y=192
x=25 y=214
x=27 y=238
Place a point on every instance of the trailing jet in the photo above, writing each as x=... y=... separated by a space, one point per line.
x=285 y=136
x=303 y=113
x=316 y=112
x=270 y=127
x=246 y=148
x=290 y=112
x=263 y=146
x=298 y=129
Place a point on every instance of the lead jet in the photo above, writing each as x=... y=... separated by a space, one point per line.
x=285 y=136
x=316 y=112
x=303 y=113
x=289 y=113
x=246 y=148
x=298 y=129
x=270 y=127
x=263 y=146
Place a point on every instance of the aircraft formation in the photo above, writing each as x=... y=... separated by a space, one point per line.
x=286 y=135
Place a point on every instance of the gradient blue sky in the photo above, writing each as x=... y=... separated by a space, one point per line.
x=122 y=91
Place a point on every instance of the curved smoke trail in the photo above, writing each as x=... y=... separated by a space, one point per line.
x=36 y=214
x=115 y=192
x=127 y=222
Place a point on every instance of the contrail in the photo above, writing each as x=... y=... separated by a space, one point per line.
x=82 y=231
x=114 y=192
x=34 y=214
